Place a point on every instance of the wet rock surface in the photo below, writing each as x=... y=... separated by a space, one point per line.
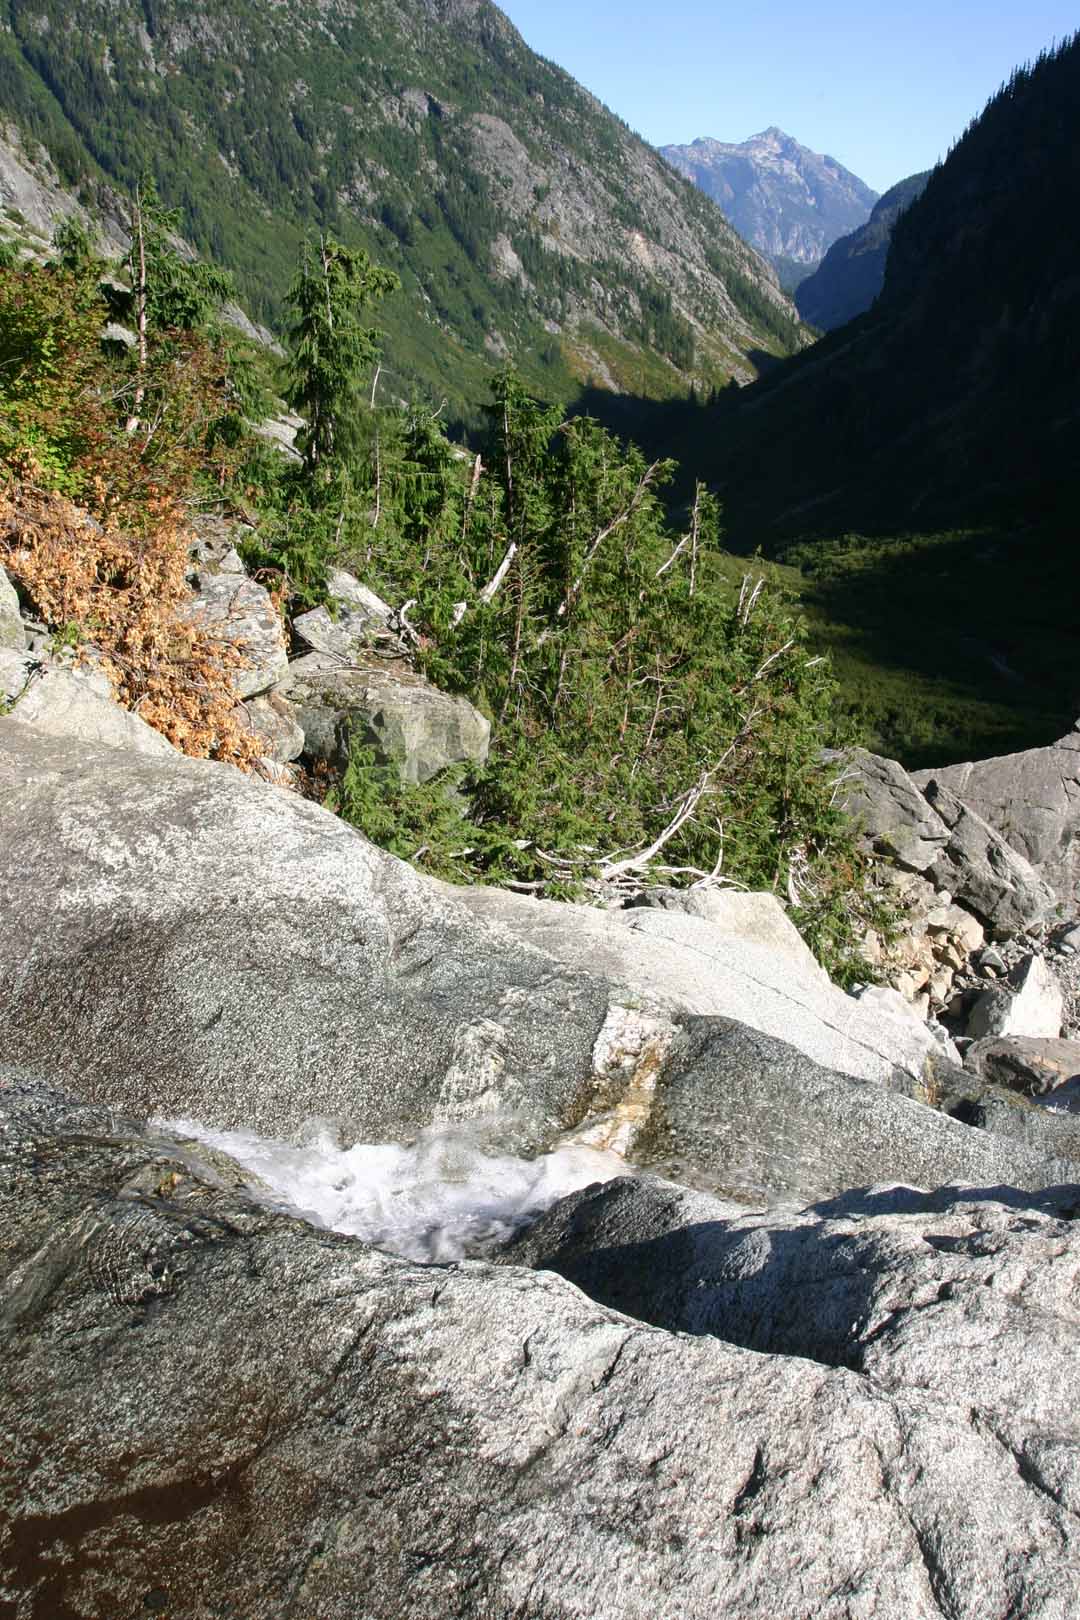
x=266 y=1420
x=188 y=942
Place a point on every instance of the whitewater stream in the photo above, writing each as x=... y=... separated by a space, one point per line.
x=442 y=1198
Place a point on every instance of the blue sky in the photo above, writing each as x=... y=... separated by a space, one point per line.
x=885 y=90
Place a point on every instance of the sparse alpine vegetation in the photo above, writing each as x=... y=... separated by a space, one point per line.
x=654 y=717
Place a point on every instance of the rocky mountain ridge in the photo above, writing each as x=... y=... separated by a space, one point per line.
x=787 y=201
x=522 y=217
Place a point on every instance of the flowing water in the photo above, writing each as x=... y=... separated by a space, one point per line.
x=442 y=1198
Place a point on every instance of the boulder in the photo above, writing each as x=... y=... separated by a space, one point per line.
x=235 y=609
x=360 y=619
x=212 y=543
x=890 y=809
x=735 y=955
x=77 y=703
x=1031 y=1066
x=745 y=1117
x=12 y=633
x=280 y=432
x=16 y=669
x=408 y=722
x=184 y=941
x=1046 y=1133
x=1033 y=800
x=262 y=1419
x=758 y=919
x=984 y=872
x=347 y=593
x=835 y=1281
x=274 y=722
x=1031 y=1003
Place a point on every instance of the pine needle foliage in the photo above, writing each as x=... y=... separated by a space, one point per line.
x=652 y=720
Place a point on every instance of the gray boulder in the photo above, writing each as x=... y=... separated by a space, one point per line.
x=359 y=620
x=350 y=595
x=274 y=722
x=280 y=432
x=1029 y=1066
x=983 y=871
x=183 y=941
x=833 y=1281
x=408 y=722
x=1030 y=1004
x=733 y=955
x=1046 y=1133
x=235 y=609
x=265 y=1420
x=1033 y=800
x=12 y=633
x=743 y=1116
x=212 y=543
x=77 y=702
x=892 y=812
x=758 y=918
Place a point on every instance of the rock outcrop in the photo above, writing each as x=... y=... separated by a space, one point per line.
x=1031 y=1066
x=77 y=702
x=266 y=1420
x=407 y=721
x=1030 y=1003
x=954 y=877
x=12 y=634
x=182 y=940
x=1033 y=800
x=238 y=610
x=724 y=954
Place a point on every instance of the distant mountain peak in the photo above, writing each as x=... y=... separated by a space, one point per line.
x=786 y=200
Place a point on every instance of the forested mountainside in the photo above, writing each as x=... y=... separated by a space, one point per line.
x=788 y=202
x=522 y=217
x=920 y=464
x=955 y=397
x=852 y=273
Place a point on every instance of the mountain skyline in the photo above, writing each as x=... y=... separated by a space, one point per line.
x=787 y=201
x=885 y=92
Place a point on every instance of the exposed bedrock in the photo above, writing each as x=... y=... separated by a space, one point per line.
x=264 y=1420
x=180 y=940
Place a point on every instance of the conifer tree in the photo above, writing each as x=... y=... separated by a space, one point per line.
x=331 y=351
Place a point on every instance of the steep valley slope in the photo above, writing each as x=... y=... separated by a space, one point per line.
x=523 y=218
x=917 y=468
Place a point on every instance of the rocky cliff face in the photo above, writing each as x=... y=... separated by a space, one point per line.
x=852 y=273
x=522 y=216
x=787 y=201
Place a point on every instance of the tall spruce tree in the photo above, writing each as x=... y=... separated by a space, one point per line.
x=331 y=353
